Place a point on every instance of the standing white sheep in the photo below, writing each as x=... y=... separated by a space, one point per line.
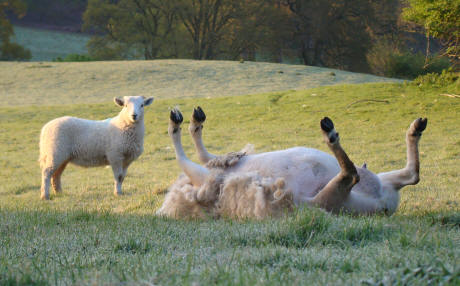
x=116 y=141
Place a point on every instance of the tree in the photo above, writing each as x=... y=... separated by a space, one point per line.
x=206 y=22
x=263 y=27
x=130 y=28
x=441 y=19
x=332 y=32
x=8 y=50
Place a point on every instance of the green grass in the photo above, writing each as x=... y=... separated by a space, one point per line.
x=86 y=236
x=46 y=45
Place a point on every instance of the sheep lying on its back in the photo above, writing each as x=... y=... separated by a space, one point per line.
x=115 y=141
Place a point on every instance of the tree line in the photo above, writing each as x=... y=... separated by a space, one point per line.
x=357 y=35
x=333 y=33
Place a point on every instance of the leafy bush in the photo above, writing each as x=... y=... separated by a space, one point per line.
x=379 y=57
x=13 y=51
x=410 y=66
x=74 y=58
x=389 y=58
x=445 y=78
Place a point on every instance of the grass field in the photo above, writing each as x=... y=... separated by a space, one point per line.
x=47 y=45
x=86 y=236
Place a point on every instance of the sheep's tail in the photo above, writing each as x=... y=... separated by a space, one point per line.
x=42 y=160
x=230 y=159
x=248 y=149
x=225 y=161
x=42 y=156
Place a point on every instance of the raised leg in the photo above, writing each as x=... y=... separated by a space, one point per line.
x=195 y=172
x=56 y=178
x=196 y=128
x=410 y=174
x=333 y=195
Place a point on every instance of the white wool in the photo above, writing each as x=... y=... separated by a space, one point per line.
x=87 y=143
x=226 y=194
x=243 y=185
x=116 y=141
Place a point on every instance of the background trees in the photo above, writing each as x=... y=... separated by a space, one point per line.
x=440 y=19
x=332 y=32
x=198 y=29
x=131 y=28
x=9 y=50
x=206 y=22
x=357 y=35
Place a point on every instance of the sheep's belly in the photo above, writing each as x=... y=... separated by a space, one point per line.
x=90 y=162
x=305 y=170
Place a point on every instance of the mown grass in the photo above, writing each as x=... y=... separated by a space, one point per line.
x=48 y=83
x=86 y=236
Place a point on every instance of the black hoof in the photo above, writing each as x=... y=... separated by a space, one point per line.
x=420 y=124
x=176 y=116
x=327 y=125
x=199 y=115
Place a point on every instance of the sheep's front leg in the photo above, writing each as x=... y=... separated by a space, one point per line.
x=410 y=174
x=119 y=174
x=196 y=128
x=195 y=172
x=334 y=194
x=56 y=178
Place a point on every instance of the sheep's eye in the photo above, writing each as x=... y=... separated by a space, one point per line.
x=142 y=105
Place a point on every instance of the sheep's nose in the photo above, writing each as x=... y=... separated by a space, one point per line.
x=134 y=116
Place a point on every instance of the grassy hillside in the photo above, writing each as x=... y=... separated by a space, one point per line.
x=47 y=45
x=66 y=83
x=86 y=236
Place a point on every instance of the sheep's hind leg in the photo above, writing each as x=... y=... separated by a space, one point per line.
x=333 y=195
x=196 y=128
x=49 y=166
x=195 y=172
x=410 y=174
x=47 y=172
x=56 y=178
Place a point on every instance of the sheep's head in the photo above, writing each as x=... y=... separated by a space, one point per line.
x=133 y=107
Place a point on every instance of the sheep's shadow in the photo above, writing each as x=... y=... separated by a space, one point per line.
x=25 y=189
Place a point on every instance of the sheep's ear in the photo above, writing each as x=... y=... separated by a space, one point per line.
x=119 y=101
x=148 y=101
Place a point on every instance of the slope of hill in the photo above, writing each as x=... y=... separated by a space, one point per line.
x=91 y=82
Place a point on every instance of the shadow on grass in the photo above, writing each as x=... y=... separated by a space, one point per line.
x=314 y=227
x=133 y=246
x=435 y=273
x=25 y=189
x=20 y=280
x=445 y=219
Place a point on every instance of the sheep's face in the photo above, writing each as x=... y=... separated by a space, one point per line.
x=133 y=107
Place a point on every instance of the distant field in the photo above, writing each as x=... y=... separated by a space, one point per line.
x=94 y=82
x=86 y=236
x=47 y=45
